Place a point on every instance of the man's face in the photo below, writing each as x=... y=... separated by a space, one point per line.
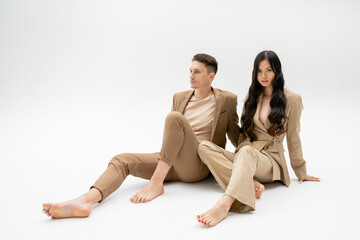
x=199 y=76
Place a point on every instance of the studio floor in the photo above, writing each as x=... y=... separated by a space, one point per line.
x=35 y=172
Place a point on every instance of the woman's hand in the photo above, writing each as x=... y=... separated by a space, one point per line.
x=310 y=178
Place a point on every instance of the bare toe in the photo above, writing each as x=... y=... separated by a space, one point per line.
x=135 y=198
x=78 y=207
x=148 y=193
x=46 y=206
x=259 y=191
x=216 y=214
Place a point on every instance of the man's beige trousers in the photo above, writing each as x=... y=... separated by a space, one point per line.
x=235 y=172
x=179 y=150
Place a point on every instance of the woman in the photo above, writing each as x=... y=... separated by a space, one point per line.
x=270 y=112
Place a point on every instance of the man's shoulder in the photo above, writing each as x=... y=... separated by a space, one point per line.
x=183 y=94
x=225 y=93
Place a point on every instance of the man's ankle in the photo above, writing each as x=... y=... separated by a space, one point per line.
x=92 y=196
x=156 y=181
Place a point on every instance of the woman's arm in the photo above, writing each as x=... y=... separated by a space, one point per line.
x=293 y=140
x=310 y=178
x=297 y=161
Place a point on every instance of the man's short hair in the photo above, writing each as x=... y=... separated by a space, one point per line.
x=209 y=61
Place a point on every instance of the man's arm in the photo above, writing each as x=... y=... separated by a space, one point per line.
x=173 y=104
x=233 y=130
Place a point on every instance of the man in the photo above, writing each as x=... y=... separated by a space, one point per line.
x=204 y=113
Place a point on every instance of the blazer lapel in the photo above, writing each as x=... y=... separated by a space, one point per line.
x=185 y=100
x=257 y=114
x=267 y=123
x=218 y=102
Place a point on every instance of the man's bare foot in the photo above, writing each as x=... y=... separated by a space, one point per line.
x=259 y=189
x=152 y=190
x=218 y=213
x=78 y=207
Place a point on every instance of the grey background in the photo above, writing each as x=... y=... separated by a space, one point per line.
x=81 y=81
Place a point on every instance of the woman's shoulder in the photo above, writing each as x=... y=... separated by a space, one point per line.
x=291 y=96
x=293 y=99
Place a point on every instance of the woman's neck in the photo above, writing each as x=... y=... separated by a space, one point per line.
x=268 y=91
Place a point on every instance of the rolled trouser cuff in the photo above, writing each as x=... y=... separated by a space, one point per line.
x=241 y=203
x=165 y=160
x=101 y=192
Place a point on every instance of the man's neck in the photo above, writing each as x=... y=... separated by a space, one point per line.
x=202 y=93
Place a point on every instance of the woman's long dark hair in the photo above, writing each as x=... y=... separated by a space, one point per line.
x=277 y=115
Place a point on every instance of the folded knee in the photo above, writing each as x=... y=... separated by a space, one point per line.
x=203 y=150
x=173 y=116
x=246 y=150
x=122 y=158
x=247 y=154
x=204 y=146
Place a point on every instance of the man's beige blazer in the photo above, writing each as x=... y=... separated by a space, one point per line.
x=225 y=120
x=273 y=147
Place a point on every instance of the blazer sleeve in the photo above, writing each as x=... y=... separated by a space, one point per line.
x=297 y=161
x=173 y=104
x=233 y=130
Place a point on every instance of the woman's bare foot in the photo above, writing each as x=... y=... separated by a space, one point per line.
x=152 y=190
x=218 y=213
x=259 y=189
x=78 y=207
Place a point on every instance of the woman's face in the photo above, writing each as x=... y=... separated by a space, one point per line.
x=265 y=75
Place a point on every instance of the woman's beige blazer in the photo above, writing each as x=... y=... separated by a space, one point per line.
x=226 y=119
x=273 y=147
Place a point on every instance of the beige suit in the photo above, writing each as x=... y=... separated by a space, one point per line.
x=226 y=119
x=262 y=159
x=179 y=146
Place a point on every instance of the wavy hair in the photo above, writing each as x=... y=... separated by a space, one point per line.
x=277 y=116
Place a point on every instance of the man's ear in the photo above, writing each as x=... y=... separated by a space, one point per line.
x=212 y=76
